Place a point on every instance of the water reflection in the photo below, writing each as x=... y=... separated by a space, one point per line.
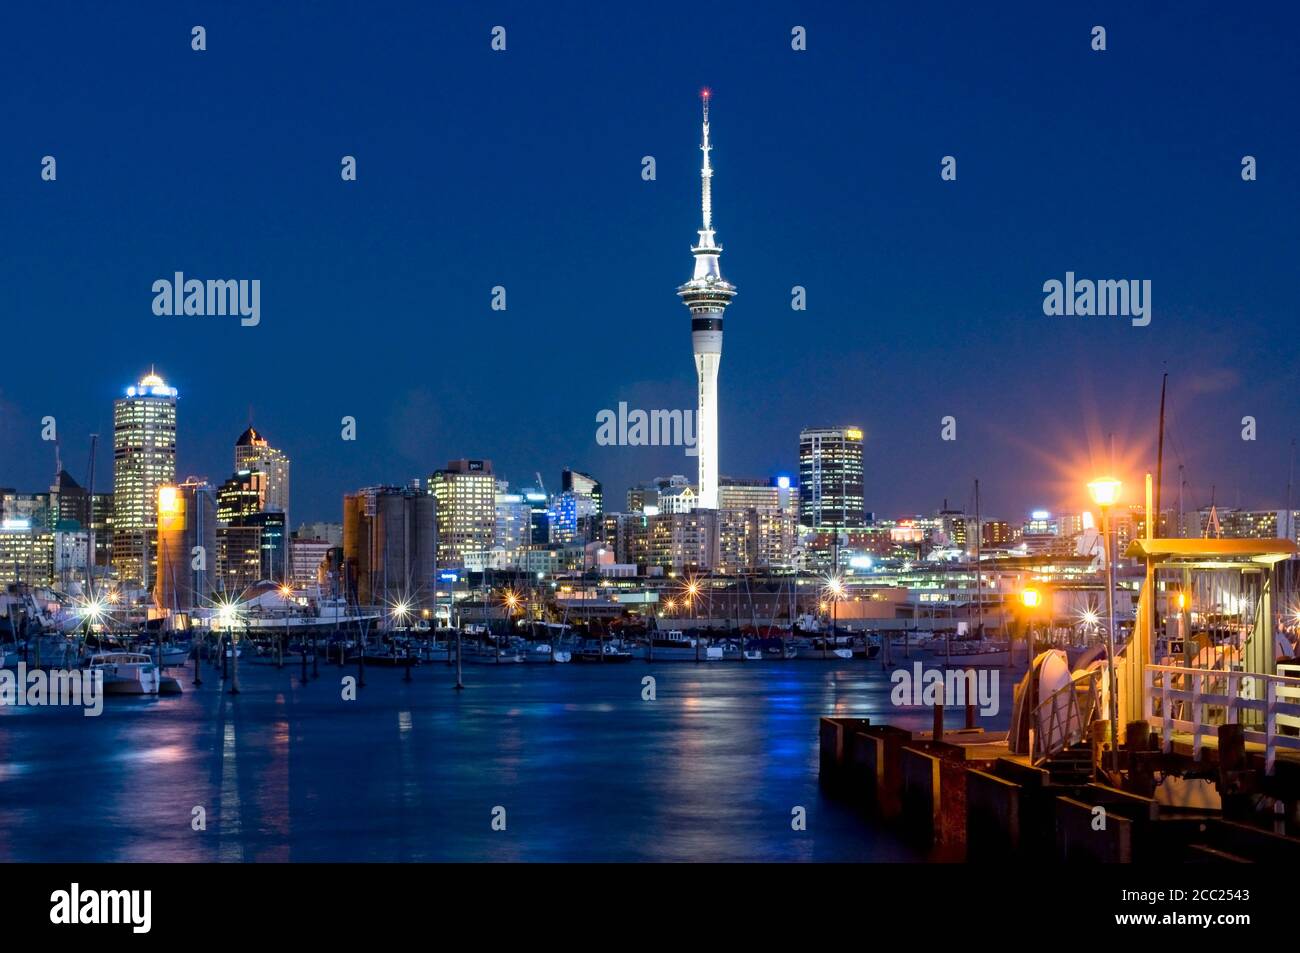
x=586 y=770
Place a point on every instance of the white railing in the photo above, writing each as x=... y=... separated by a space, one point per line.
x=1197 y=701
x=1063 y=719
x=1289 y=693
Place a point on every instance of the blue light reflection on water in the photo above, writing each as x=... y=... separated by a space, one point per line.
x=585 y=769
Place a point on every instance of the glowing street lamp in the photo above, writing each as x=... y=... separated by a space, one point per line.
x=1105 y=491
x=690 y=592
x=1031 y=599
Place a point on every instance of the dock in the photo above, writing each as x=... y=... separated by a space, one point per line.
x=967 y=797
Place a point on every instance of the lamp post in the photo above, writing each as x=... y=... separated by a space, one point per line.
x=1105 y=491
x=1031 y=599
x=512 y=603
x=401 y=613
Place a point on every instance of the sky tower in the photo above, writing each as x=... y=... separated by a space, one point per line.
x=707 y=294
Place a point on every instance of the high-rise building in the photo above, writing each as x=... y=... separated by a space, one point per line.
x=756 y=524
x=252 y=452
x=144 y=458
x=187 y=546
x=831 y=479
x=683 y=542
x=997 y=533
x=571 y=517
x=273 y=543
x=466 y=493
x=639 y=497
x=514 y=520
x=32 y=507
x=242 y=495
x=707 y=295
x=68 y=501
x=101 y=524
x=571 y=481
x=1041 y=523
x=239 y=559
x=307 y=554
x=389 y=545
x=26 y=552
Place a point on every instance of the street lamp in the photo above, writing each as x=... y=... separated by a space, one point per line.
x=286 y=591
x=1031 y=599
x=1105 y=491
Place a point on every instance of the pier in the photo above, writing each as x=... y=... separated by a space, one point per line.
x=1208 y=761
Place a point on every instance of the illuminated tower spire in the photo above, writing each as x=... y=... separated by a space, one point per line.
x=707 y=295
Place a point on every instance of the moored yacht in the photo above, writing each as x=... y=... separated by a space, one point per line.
x=675 y=645
x=544 y=653
x=126 y=673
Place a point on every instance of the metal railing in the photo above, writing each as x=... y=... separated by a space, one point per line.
x=1197 y=701
x=1065 y=717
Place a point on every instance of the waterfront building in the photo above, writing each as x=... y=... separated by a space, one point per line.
x=466 y=509
x=187 y=546
x=144 y=459
x=541 y=560
x=707 y=295
x=1236 y=523
x=831 y=484
x=389 y=545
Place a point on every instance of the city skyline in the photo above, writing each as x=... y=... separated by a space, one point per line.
x=156 y=387
x=906 y=323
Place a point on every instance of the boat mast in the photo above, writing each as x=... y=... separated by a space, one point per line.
x=1160 y=457
x=979 y=571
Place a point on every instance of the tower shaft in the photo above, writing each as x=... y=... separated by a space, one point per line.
x=707 y=295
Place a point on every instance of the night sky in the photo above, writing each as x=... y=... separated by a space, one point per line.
x=523 y=169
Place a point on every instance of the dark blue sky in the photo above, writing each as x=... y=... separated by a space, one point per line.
x=523 y=169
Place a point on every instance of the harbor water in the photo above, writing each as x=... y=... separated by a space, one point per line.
x=584 y=768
